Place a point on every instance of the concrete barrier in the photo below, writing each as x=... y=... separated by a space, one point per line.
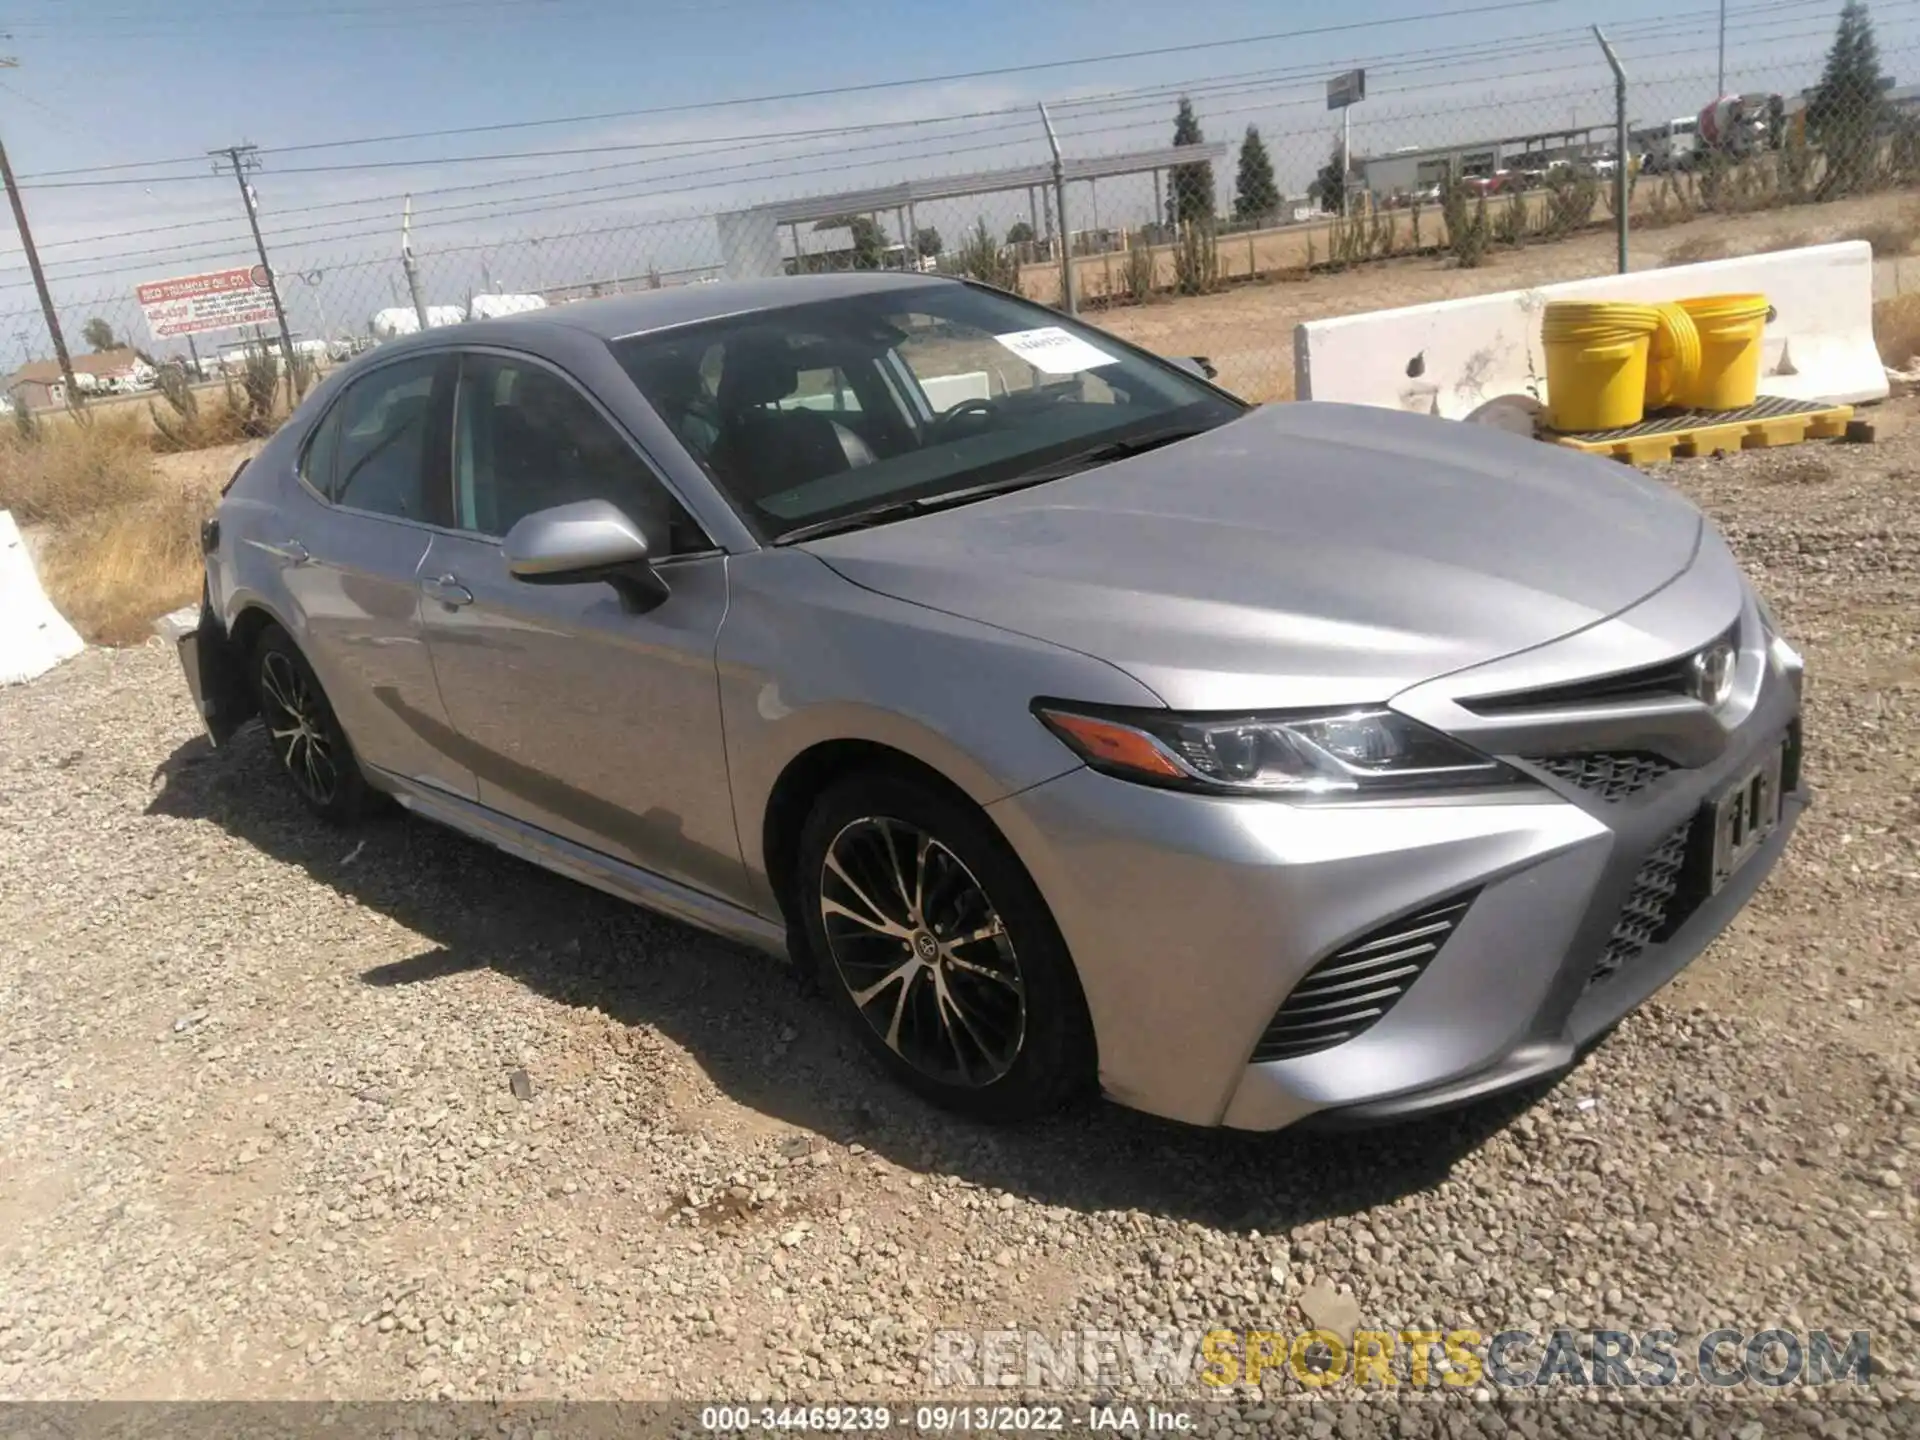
x=33 y=636
x=1452 y=357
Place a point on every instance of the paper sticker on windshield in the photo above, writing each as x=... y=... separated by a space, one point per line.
x=1055 y=351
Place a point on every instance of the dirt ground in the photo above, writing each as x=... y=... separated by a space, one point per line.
x=1247 y=330
x=289 y=1112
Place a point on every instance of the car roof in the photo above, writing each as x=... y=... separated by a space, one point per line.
x=617 y=316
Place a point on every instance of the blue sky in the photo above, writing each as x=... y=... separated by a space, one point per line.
x=116 y=81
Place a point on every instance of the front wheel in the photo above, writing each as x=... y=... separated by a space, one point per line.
x=304 y=732
x=937 y=946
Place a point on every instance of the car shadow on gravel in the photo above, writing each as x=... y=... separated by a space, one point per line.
x=770 y=1043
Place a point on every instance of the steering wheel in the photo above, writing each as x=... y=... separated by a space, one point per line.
x=946 y=419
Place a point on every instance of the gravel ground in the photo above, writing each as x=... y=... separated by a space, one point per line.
x=291 y=1113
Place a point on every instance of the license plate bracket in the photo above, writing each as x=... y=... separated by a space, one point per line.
x=1744 y=816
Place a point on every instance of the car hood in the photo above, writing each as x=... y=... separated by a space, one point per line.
x=1303 y=554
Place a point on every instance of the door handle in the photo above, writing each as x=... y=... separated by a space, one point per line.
x=448 y=590
x=291 y=551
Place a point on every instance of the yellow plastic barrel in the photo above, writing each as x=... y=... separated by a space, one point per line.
x=1673 y=357
x=1596 y=363
x=1732 y=329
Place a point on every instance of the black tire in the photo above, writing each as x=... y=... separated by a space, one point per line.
x=303 y=731
x=985 y=1008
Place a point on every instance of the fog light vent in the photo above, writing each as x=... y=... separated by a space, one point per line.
x=1355 y=986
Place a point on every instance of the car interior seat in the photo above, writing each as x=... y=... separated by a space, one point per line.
x=762 y=450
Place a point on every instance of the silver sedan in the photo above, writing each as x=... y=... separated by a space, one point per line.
x=1080 y=724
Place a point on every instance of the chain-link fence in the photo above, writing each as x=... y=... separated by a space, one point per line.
x=1204 y=215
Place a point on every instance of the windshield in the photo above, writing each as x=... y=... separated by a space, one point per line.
x=815 y=411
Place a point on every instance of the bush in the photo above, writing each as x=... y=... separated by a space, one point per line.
x=1468 y=231
x=1572 y=196
x=1511 y=227
x=260 y=380
x=981 y=258
x=1196 y=259
x=1380 y=235
x=1137 y=275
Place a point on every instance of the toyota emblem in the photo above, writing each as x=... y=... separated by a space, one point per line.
x=1713 y=674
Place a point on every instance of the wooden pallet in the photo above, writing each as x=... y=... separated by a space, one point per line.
x=1769 y=421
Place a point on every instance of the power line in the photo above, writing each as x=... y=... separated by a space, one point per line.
x=869 y=87
x=568 y=198
x=1503 y=5
x=1223 y=86
x=632 y=224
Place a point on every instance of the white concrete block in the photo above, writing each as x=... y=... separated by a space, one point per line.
x=946 y=391
x=33 y=636
x=1451 y=357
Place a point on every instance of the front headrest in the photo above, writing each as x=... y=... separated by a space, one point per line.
x=759 y=369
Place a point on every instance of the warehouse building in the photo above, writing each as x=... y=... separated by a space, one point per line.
x=1407 y=172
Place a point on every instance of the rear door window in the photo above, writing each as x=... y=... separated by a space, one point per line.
x=386 y=420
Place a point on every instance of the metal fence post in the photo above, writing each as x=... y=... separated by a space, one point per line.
x=1067 y=295
x=1621 y=160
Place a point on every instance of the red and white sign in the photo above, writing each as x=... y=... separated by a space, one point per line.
x=218 y=300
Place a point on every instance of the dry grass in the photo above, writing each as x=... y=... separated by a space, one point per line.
x=1896 y=326
x=114 y=573
x=120 y=544
x=1889 y=235
x=1698 y=249
x=74 y=470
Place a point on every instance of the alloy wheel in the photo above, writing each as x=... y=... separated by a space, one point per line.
x=296 y=720
x=922 y=952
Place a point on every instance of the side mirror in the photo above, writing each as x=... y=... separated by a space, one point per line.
x=1196 y=365
x=588 y=542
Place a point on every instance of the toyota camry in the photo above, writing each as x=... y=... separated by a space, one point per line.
x=1080 y=725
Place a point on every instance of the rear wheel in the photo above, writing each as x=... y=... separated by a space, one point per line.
x=935 y=943
x=304 y=733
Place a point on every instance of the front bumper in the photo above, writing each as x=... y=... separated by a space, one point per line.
x=1191 y=918
x=214 y=675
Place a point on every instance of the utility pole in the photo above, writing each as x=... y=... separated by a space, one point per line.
x=244 y=158
x=74 y=398
x=406 y=263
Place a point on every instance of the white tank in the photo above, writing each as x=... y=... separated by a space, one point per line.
x=492 y=307
x=401 y=320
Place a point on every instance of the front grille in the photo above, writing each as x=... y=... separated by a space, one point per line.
x=1355 y=986
x=1668 y=680
x=1650 y=913
x=1606 y=775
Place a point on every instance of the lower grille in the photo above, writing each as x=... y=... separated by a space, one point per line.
x=1608 y=776
x=1650 y=911
x=1355 y=986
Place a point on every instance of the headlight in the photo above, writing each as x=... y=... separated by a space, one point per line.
x=1302 y=756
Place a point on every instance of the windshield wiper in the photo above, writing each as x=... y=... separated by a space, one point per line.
x=903 y=509
x=1101 y=454
x=1108 y=451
